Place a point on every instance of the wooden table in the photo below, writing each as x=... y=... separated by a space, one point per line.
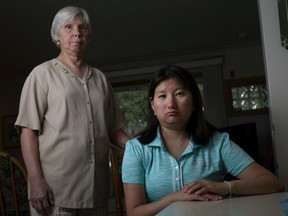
x=260 y=205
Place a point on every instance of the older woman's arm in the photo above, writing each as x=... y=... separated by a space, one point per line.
x=119 y=138
x=41 y=194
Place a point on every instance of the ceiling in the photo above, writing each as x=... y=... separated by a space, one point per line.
x=127 y=29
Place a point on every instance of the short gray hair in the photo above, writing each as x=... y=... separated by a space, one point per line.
x=65 y=14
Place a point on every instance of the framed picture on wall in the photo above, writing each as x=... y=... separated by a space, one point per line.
x=11 y=139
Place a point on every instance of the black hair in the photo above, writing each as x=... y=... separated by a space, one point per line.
x=198 y=127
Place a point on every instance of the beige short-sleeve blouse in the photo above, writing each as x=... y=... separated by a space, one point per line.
x=74 y=117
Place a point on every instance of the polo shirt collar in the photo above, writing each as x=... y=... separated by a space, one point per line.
x=158 y=141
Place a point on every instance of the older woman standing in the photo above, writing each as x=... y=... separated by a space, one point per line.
x=67 y=119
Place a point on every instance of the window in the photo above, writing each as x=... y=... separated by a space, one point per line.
x=247 y=96
x=133 y=104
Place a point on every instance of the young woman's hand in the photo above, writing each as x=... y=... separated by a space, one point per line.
x=207 y=187
x=183 y=196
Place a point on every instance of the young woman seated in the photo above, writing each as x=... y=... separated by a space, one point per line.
x=180 y=156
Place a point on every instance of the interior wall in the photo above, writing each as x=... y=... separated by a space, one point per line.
x=214 y=99
x=276 y=65
x=10 y=90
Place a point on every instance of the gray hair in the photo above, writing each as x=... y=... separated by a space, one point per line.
x=65 y=14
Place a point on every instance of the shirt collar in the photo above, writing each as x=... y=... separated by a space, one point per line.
x=158 y=141
x=62 y=67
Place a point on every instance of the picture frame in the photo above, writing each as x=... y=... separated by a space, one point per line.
x=11 y=139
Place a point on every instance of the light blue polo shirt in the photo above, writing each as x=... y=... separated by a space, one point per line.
x=162 y=174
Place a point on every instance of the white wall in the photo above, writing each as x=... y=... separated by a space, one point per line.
x=276 y=63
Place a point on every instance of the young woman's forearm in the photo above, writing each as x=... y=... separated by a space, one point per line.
x=153 y=208
x=262 y=185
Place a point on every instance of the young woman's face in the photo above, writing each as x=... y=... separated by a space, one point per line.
x=74 y=36
x=172 y=104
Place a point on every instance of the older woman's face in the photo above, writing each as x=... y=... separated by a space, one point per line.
x=172 y=104
x=74 y=36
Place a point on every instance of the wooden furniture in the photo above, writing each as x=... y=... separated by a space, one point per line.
x=116 y=156
x=264 y=205
x=13 y=186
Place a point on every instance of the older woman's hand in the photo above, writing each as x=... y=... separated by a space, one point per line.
x=41 y=197
x=207 y=187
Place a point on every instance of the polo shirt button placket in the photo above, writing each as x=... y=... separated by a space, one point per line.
x=177 y=172
x=177 y=177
